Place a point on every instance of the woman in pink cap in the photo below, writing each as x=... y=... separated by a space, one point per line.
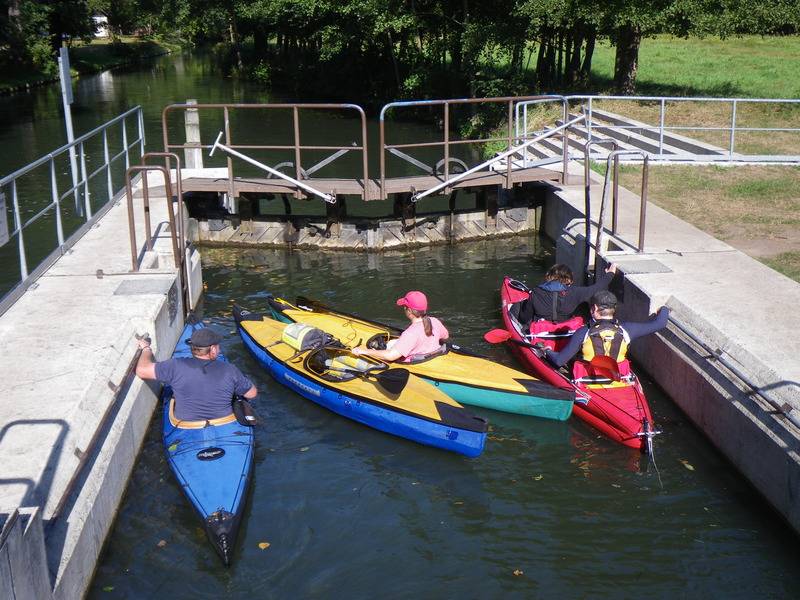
x=424 y=336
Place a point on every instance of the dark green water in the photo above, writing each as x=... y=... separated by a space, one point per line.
x=353 y=513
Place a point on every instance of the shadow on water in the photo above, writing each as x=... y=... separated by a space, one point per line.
x=549 y=509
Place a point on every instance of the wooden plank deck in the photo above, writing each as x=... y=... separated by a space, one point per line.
x=395 y=185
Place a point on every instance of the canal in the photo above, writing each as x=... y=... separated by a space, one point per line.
x=339 y=510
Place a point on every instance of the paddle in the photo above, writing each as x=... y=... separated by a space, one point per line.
x=320 y=307
x=498 y=336
x=392 y=380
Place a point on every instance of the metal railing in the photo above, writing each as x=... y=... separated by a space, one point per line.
x=447 y=143
x=665 y=141
x=297 y=147
x=85 y=211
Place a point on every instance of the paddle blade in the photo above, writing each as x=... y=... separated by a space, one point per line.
x=497 y=336
x=606 y=366
x=393 y=380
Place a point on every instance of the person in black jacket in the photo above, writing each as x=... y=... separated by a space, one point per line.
x=556 y=299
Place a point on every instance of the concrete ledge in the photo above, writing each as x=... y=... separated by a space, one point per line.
x=725 y=299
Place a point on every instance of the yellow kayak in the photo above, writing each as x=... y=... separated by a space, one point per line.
x=363 y=389
x=462 y=375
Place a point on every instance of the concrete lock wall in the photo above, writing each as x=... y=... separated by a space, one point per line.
x=747 y=429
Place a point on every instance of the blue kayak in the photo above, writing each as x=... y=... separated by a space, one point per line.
x=390 y=400
x=213 y=462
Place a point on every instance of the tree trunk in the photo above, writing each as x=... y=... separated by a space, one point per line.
x=626 y=63
x=586 y=67
x=573 y=72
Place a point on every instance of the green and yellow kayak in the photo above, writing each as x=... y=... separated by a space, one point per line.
x=362 y=389
x=462 y=375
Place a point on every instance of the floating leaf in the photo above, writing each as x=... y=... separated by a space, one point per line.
x=538 y=477
x=173 y=447
x=686 y=464
x=518 y=572
x=263 y=545
x=616 y=485
x=108 y=588
x=304 y=449
x=161 y=543
x=458 y=502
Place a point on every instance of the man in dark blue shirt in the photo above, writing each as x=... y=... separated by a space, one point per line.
x=203 y=387
x=604 y=335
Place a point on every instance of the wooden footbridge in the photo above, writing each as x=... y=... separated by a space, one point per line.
x=297 y=177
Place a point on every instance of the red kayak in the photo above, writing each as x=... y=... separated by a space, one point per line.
x=613 y=400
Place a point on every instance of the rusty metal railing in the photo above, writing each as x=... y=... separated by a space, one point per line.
x=446 y=144
x=297 y=147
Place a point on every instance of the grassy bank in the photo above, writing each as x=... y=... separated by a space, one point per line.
x=91 y=58
x=754 y=208
x=748 y=66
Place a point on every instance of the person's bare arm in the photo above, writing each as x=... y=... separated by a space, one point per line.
x=251 y=393
x=389 y=354
x=146 y=366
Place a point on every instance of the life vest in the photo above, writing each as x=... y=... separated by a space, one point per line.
x=605 y=338
x=556 y=289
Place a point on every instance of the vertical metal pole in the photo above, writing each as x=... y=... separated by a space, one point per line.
x=565 y=147
x=382 y=144
x=296 y=119
x=140 y=121
x=66 y=97
x=733 y=129
x=446 y=169
x=131 y=223
x=510 y=142
x=23 y=261
x=107 y=158
x=587 y=191
x=56 y=201
x=661 y=127
x=364 y=158
x=643 y=207
x=146 y=204
x=231 y=191
x=615 y=196
x=87 y=201
x=589 y=121
x=125 y=145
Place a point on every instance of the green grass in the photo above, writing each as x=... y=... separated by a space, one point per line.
x=787 y=263
x=748 y=66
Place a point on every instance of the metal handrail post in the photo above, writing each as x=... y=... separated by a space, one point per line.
x=23 y=260
x=178 y=188
x=643 y=206
x=125 y=145
x=615 y=196
x=170 y=213
x=565 y=147
x=510 y=142
x=148 y=236
x=587 y=147
x=733 y=129
x=661 y=126
x=107 y=159
x=86 y=198
x=229 y=161
x=382 y=144
x=140 y=120
x=131 y=221
x=446 y=171
x=56 y=202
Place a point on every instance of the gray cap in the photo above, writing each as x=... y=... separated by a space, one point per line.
x=604 y=299
x=202 y=338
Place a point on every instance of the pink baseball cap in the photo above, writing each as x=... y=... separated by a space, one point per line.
x=414 y=300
